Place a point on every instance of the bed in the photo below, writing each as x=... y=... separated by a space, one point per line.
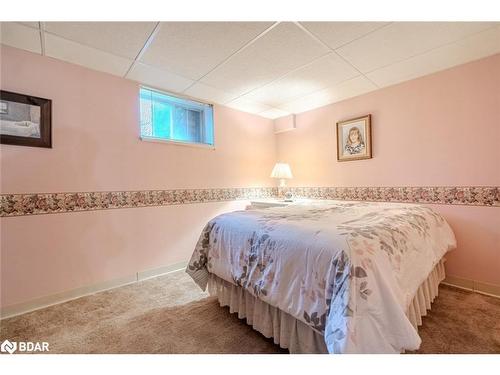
x=327 y=276
x=20 y=128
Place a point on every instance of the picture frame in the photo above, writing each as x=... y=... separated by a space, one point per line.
x=354 y=139
x=25 y=120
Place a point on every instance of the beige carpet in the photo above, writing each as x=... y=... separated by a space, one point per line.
x=169 y=314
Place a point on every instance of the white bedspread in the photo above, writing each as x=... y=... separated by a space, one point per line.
x=347 y=269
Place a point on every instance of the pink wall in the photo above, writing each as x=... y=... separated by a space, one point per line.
x=438 y=130
x=96 y=147
x=96 y=143
x=46 y=254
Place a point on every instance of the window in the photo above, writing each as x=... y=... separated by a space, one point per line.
x=166 y=117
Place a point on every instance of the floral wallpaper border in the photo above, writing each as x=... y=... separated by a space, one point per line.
x=50 y=203
x=457 y=195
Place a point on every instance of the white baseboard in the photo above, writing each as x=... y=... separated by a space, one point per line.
x=54 y=299
x=473 y=286
x=148 y=274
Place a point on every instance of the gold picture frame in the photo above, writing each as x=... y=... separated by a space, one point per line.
x=354 y=139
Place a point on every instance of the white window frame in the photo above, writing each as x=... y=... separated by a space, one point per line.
x=187 y=105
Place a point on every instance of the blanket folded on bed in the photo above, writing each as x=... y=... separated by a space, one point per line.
x=347 y=269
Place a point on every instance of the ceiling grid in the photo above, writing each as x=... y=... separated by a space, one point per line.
x=267 y=68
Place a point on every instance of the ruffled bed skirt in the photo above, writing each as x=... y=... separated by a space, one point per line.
x=293 y=334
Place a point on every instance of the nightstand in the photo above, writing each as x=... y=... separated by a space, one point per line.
x=266 y=203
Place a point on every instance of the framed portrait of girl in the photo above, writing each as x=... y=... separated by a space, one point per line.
x=354 y=140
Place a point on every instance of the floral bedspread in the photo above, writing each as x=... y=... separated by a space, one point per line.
x=347 y=269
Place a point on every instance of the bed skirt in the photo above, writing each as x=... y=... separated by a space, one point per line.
x=293 y=334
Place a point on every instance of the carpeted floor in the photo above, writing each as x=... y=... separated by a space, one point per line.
x=169 y=314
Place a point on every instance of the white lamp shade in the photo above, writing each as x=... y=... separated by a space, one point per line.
x=281 y=170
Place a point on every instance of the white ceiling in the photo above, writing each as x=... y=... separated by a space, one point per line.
x=267 y=68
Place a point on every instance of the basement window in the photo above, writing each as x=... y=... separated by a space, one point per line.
x=168 y=118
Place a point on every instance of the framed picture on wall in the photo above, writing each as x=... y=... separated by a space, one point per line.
x=25 y=120
x=354 y=139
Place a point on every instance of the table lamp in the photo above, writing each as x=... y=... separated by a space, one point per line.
x=283 y=172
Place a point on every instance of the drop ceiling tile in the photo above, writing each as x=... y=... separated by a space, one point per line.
x=336 y=34
x=344 y=90
x=248 y=106
x=402 y=40
x=158 y=78
x=17 y=35
x=307 y=103
x=192 y=49
x=282 y=49
x=124 y=39
x=209 y=94
x=321 y=73
x=35 y=25
x=472 y=48
x=66 y=50
x=274 y=113
x=348 y=89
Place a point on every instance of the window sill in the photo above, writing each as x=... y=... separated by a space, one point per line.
x=177 y=143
